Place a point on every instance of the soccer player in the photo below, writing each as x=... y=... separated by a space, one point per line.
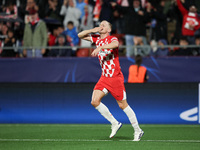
x=112 y=79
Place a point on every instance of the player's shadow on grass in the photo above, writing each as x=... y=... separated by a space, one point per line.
x=117 y=138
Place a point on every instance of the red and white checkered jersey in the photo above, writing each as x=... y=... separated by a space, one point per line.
x=108 y=58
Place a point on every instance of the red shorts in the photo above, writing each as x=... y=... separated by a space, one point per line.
x=114 y=85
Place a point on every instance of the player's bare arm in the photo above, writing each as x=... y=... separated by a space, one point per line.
x=85 y=34
x=112 y=45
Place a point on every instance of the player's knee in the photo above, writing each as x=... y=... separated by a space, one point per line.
x=122 y=105
x=95 y=103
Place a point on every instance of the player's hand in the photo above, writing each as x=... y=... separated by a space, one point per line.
x=96 y=51
x=97 y=29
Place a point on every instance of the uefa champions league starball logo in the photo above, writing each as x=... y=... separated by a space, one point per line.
x=192 y=114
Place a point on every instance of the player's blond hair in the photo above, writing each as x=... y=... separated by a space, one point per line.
x=109 y=24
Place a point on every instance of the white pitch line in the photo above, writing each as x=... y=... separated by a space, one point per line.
x=92 y=140
x=91 y=125
x=175 y=141
x=52 y=140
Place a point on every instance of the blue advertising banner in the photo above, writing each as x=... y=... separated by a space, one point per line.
x=168 y=69
x=153 y=103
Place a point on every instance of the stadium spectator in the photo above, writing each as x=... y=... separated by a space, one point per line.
x=160 y=51
x=117 y=22
x=97 y=11
x=196 y=51
x=3 y=32
x=188 y=3
x=191 y=22
x=71 y=36
x=10 y=41
x=159 y=22
x=60 y=29
x=52 y=37
x=60 y=51
x=10 y=14
x=138 y=41
x=31 y=6
x=137 y=73
x=21 y=6
x=35 y=34
x=183 y=50
x=86 y=24
x=53 y=10
x=80 y=4
x=70 y=12
x=175 y=15
x=118 y=19
x=135 y=19
x=11 y=10
x=12 y=18
x=87 y=19
x=106 y=12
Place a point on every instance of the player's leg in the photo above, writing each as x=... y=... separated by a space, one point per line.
x=130 y=114
x=104 y=111
x=97 y=95
x=132 y=117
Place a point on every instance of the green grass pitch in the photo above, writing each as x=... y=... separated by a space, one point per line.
x=96 y=137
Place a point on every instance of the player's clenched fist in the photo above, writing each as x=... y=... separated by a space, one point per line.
x=96 y=51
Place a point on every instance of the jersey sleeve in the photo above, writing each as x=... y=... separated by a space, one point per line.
x=110 y=51
x=94 y=37
x=114 y=39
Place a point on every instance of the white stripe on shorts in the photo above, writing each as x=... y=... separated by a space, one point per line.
x=124 y=95
x=105 y=91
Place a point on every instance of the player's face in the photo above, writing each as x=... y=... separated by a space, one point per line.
x=105 y=27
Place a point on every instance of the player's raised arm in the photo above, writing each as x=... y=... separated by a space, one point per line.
x=85 y=34
x=112 y=45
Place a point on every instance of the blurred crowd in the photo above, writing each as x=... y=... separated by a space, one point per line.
x=43 y=24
